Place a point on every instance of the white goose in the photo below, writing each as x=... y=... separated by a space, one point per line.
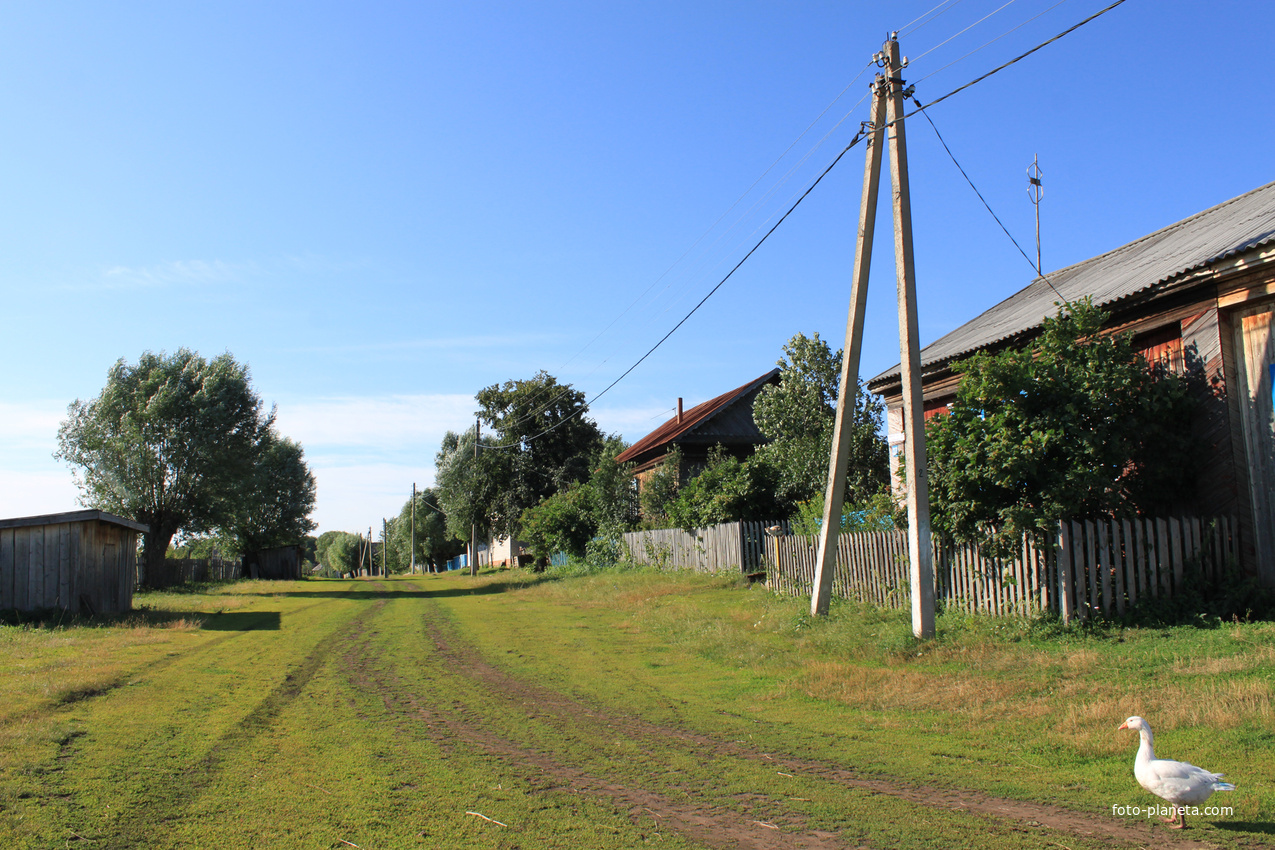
x=1180 y=783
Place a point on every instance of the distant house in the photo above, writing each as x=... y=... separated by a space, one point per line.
x=501 y=552
x=726 y=420
x=84 y=562
x=1199 y=292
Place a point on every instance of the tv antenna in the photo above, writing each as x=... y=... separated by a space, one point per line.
x=1036 y=191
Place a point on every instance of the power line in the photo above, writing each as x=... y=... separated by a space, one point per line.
x=858 y=138
x=984 y=200
x=903 y=30
x=1018 y=58
x=967 y=29
x=990 y=42
x=710 y=228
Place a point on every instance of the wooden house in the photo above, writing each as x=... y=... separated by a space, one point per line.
x=84 y=562
x=1198 y=293
x=725 y=421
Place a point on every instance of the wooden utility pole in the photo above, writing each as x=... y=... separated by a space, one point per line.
x=413 y=528
x=473 y=528
x=888 y=99
x=920 y=551
x=847 y=390
x=385 y=538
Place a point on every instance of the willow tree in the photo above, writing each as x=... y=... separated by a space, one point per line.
x=183 y=444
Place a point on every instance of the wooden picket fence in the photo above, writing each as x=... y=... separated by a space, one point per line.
x=189 y=570
x=728 y=547
x=1099 y=566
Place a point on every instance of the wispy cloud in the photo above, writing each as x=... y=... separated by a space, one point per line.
x=29 y=429
x=467 y=343
x=161 y=275
x=390 y=423
x=175 y=273
x=31 y=481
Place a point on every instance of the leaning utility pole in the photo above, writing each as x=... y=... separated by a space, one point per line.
x=888 y=95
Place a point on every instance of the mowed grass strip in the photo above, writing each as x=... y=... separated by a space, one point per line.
x=1003 y=707
x=381 y=713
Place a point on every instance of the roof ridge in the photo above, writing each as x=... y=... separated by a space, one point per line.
x=1154 y=233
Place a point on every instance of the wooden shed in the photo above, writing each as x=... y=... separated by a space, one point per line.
x=283 y=562
x=81 y=562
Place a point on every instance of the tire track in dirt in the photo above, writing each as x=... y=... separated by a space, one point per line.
x=566 y=713
x=714 y=826
x=182 y=789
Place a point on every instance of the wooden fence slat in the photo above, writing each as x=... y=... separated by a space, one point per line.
x=1103 y=565
x=1175 y=541
x=1066 y=579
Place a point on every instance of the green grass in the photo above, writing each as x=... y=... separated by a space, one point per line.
x=273 y=714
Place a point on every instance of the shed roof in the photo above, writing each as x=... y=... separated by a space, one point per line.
x=701 y=419
x=1137 y=269
x=73 y=516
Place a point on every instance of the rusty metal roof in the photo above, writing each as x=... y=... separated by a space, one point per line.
x=702 y=421
x=1139 y=268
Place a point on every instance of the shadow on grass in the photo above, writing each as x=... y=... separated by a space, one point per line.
x=372 y=592
x=241 y=621
x=228 y=621
x=1244 y=826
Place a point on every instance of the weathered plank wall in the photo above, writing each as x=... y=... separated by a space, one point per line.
x=86 y=566
x=1095 y=567
x=729 y=547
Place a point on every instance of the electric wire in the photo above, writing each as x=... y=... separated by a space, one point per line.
x=990 y=42
x=858 y=137
x=744 y=240
x=962 y=32
x=727 y=211
x=1017 y=58
x=711 y=227
x=853 y=142
x=1039 y=273
x=904 y=30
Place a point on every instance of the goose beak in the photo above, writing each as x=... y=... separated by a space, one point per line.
x=1124 y=725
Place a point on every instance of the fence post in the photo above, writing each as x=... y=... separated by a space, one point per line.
x=1066 y=580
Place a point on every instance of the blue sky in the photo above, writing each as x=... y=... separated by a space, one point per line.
x=384 y=207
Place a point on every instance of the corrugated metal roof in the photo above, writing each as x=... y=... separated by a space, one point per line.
x=701 y=414
x=1229 y=228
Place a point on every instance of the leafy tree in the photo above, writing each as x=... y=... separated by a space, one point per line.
x=615 y=498
x=275 y=501
x=321 y=546
x=546 y=443
x=570 y=520
x=727 y=490
x=169 y=443
x=1076 y=425
x=469 y=487
x=434 y=545
x=343 y=552
x=660 y=487
x=564 y=522
x=798 y=416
